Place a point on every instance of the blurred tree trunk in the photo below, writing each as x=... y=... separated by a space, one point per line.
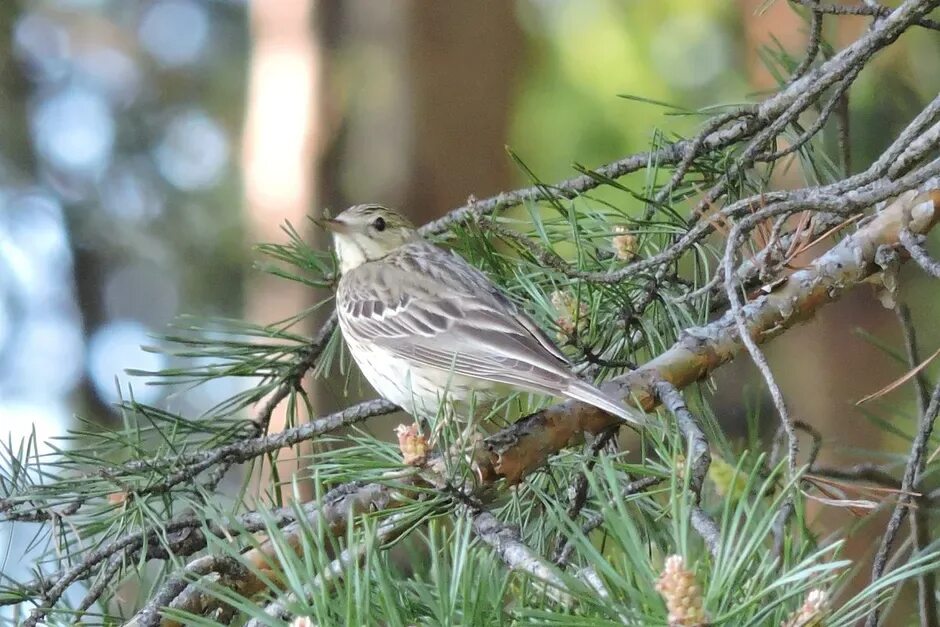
x=282 y=126
x=14 y=130
x=463 y=71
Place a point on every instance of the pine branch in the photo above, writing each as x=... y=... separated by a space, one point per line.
x=388 y=531
x=505 y=542
x=334 y=511
x=526 y=445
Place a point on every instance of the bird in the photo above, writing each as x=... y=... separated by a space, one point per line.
x=424 y=326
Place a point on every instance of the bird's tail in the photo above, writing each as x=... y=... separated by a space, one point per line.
x=585 y=392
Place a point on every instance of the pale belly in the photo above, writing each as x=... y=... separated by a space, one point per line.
x=419 y=391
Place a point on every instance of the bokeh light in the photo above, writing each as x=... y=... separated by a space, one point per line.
x=48 y=348
x=35 y=228
x=113 y=72
x=193 y=151
x=42 y=45
x=116 y=347
x=690 y=51
x=174 y=32
x=130 y=191
x=74 y=130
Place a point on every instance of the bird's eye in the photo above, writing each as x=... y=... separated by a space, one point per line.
x=379 y=224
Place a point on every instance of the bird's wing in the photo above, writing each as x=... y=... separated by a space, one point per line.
x=435 y=310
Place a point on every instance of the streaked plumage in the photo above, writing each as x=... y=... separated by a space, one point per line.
x=421 y=321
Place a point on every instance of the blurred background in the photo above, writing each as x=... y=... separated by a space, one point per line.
x=145 y=146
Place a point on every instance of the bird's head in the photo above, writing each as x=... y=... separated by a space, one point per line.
x=368 y=232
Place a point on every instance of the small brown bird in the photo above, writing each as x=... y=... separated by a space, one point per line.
x=424 y=325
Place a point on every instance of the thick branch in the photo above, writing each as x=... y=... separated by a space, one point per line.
x=525 y=446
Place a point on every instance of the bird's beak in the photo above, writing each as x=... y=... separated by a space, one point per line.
x=332 y=224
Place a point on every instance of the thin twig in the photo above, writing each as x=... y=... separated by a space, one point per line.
x=578 y=489
x=237 y=452
x=737 y=311
x=923 y=145
x=812 y=45
x=386 y=532
x=921 y=390
x=843 y=130
x=693 y=151
x=908 y=484
x=699 y=459
x=859 y=472
x=916 y=249
x=920 y=523
x=832 y=106
x=226 y=565
x=927 y=581
x=563 y=555
x=105 y=577
x=873 y=10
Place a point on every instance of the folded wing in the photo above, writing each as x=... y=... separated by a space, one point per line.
x=435 y=310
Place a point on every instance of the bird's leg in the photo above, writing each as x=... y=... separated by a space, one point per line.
x=447 y=422
x=445 y=416
x=468 y=434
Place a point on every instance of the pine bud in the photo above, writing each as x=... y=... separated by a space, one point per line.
x=572 y=316
x=413 y=445
x=726 y=481
x=682 y=595
x=625 y=243
x=118 y=498
x=812 y=612
x=678 y=467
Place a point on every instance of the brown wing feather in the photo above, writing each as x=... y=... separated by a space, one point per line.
x=435 y=310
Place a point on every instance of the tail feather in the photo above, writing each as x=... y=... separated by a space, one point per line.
x=585 y=392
